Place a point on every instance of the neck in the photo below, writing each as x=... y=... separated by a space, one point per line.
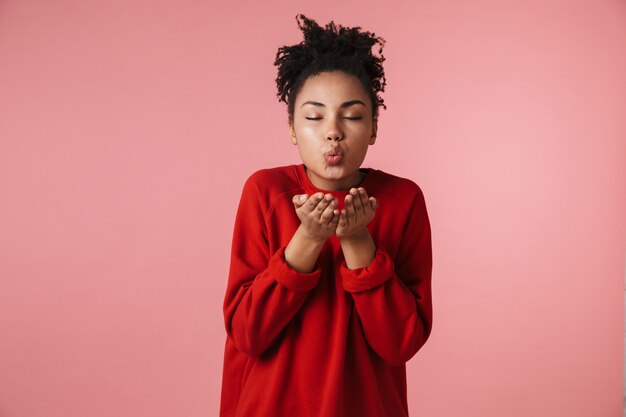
x=346 y=184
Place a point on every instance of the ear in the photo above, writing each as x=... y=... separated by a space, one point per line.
x=292 y=133
x=374 y=132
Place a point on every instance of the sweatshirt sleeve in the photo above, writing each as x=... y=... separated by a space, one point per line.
x=263 y=292
x=393 y=298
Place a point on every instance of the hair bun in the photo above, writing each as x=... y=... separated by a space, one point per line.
x=329 y=48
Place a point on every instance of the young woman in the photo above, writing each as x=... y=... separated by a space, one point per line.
x=329 y=288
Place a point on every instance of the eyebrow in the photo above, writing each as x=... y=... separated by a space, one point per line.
x=346 y=104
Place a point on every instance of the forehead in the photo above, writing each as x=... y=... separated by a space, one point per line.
x=331 y=88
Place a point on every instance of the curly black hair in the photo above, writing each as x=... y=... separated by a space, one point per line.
x=328 y=49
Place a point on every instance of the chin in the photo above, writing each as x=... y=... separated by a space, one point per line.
x=331 y=172
x=335 y=171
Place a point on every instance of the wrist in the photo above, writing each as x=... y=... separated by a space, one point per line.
x=358 y=249
x=312 y=239
x=360 y=236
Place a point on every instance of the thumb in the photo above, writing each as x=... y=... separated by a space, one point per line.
x=298 y=200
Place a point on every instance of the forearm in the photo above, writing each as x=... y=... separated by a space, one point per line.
x=258 y=309
x=302 y=251
x=358 y=250
x=396 y=316
x=395 y=322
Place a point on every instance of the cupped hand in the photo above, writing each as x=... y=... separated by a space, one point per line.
x=358 y=212
x=317 y=213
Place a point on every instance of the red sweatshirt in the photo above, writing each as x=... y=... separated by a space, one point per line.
x=333 y=342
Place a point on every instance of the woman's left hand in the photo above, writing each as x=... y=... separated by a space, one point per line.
x=358 y=211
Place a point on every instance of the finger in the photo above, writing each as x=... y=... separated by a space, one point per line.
x=343 y=218
x=356 y=201
x=313 y=200
x=324 y=202
x=364 y=199
x=334 y=221
x=351 y=212
x=299 y=199
x=373 y=203
x=328 y=213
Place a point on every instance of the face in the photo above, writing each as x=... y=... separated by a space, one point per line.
x=333 y=127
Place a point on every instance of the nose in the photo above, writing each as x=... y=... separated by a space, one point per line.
x=334 y=134
x=334 y=137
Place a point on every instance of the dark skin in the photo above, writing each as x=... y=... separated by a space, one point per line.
x=320 y=219
x=335 y=121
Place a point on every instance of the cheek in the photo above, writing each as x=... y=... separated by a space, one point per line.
x=307 y=137
x=307 y=147
x=309 y=131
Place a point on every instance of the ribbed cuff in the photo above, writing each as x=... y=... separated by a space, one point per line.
x=285 y=275
x=376 y=273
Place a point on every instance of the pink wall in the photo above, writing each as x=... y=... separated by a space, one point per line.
x=128 y=128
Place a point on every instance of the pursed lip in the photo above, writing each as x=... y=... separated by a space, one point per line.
x=333 y=152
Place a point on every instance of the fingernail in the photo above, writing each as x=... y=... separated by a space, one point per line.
x=303 y=197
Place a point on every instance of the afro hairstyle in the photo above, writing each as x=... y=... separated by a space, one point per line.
x=328 y=49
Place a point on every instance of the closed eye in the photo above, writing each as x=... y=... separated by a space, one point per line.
x=318 y=118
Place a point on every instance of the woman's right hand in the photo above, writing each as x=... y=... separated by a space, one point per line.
x=318 y=214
